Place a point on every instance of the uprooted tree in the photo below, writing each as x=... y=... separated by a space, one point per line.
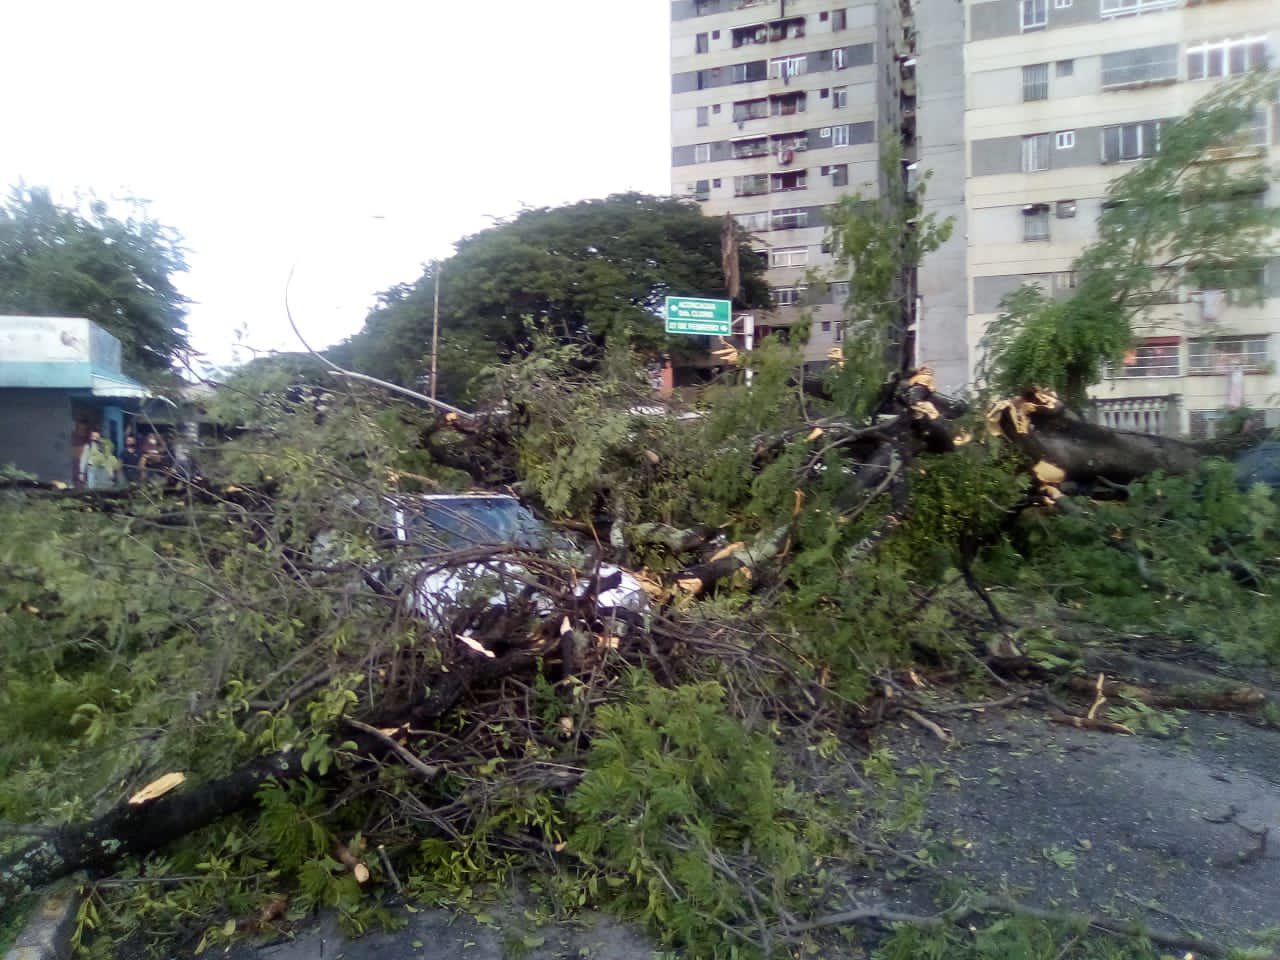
x=807 y=561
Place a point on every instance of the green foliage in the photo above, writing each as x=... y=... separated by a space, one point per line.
x=681 y=800
x=59 y=261
x=1011 y=938
x=592 y=271
x=1183 y=558
x=876 y=244
x=1171 y=219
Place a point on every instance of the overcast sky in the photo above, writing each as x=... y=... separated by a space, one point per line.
x=355 y=142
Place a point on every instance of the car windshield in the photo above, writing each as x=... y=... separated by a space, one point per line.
x=452 y=523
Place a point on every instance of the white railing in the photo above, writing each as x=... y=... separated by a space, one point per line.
x=1157 y=415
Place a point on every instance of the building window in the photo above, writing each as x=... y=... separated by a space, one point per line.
x=839 y=98
x=715 y=108
x=1066 y=68
x=1203 y=424
x=789 y=257
x=839 y=19
x=1035 y=82
x=1065 y=139
x=784 y=68
x=840 y=136
x=702 y=190
x=702 y=43
x=789 y=219
x=1226 y=58
x=704 y=116
x=1066 y=209
x=791 y=180
x=839 y=290
x=745 y=110
x=752 y=222
x=839 y=58
x=840 y=175
x=1130 y=141
x=1153 y=357
x=1035 y=221
x=753 y=185
x=1065 y=280
x=702 y=153
x=755 y=147
x=1232 y=283
x=1035 y=153
x=749 y=72
x=789 y=296
x=1123 y=8
x=1061 y=4
x=1224 y=354
x=1035 y=14
x=826 y=326
x=1147 y=65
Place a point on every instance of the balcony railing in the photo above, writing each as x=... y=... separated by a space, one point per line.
x=1157 y=415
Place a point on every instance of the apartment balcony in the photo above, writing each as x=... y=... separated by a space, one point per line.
x=1158 y=415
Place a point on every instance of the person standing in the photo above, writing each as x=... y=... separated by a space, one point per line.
x=98 y=463
x=130 y=458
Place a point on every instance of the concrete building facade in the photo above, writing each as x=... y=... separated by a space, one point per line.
x=779 y=108
x=1060 y=97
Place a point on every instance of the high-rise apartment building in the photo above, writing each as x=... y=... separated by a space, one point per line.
x=778 y=108
x=1029 y=109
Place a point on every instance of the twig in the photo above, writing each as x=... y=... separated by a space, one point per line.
x=391 y=873
x=938 y=731
x=1087 y=723
x=976 y=706
x=427 y=770
x=880 y=916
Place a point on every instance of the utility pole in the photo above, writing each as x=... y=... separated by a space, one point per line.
x=435 y=327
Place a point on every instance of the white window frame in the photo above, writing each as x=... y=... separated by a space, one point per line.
x=790 y=296
x=840 y=135
x=757 y=222
x=1062 y=4
x=1064 y=140
x=1141 y=128
x=839 y=98
x=839 y=59
x=839 y=171
x=702 y=153
x=702 y=116
x=1035 y=82
x=789 y=257
x=1035 y=153
x=839 y=290
x=786 y=67
x=1205 y=355
x=1035 y=223
x=1033 y=14
x=1147 y=71
x=839 y=20
x=1199 y=57
x=788 y=218
x=1129 y=8
x=1154 y=357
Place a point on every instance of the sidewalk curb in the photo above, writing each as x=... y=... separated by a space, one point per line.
x=47 y=935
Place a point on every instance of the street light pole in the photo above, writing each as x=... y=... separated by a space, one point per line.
x=435 y=327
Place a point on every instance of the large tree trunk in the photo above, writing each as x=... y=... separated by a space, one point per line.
x=1043 y=429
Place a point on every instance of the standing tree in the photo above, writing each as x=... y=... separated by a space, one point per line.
x=56 y=260
x=1191 y=213
x=591 y=272
x=878 y=246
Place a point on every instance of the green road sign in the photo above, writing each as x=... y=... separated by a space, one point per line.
x=695 y=315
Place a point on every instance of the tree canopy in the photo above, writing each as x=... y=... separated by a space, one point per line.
x=60 y=261
x=593 y=272
x=1189 y=214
